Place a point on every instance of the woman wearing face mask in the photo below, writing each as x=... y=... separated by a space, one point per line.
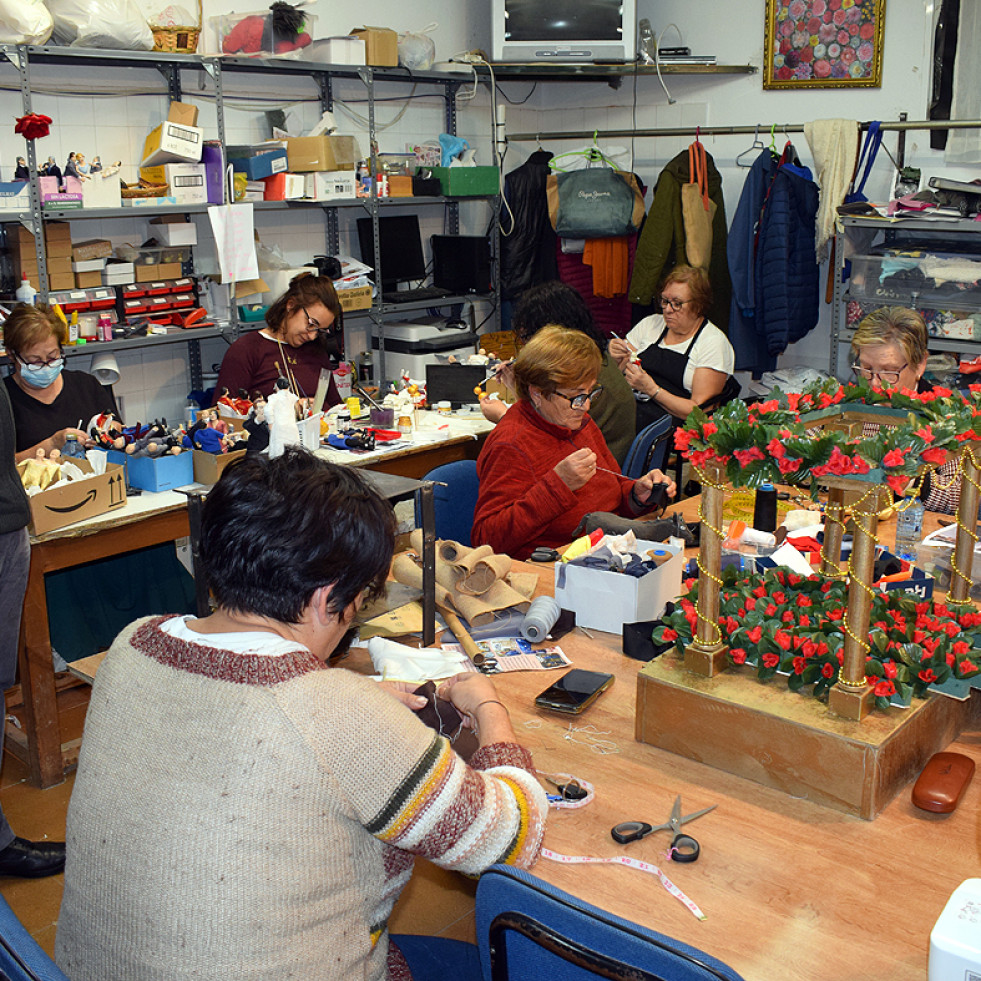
x=48 y=401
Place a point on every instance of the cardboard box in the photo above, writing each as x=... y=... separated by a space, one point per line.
x=157 y=473
x=83 y=280
x=284 y=187
x=208 y=467
x=93 y=248
x=607 y=600
x=258 y=161
x=329 y=185
x=187 y=181
x=89 y=265
x=358 y=298
x=182 y=113
x=172 y=143
x=381 y=46
x=322 y=153
x=15 y=196
x=57 y=265
x=399 y=186
x=234 y=423
x=101 y=192
x=174 y=232
x=64 y=504
x=116 y=273
x=159 y=270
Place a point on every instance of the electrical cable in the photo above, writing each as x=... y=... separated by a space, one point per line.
x=657 y=59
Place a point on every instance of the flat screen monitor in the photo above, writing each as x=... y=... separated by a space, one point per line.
x=400 y=245
x=564 y=31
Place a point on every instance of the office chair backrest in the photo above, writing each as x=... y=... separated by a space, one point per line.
x=527 y=928
x=649 y=448
x=454 y=504
x=21 y=957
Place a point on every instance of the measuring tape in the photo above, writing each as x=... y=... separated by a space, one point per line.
x=630 y=863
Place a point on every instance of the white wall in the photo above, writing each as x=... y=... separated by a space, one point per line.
x=130 y=102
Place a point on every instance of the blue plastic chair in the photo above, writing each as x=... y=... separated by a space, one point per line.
x=454 y=504
x=649 y=448
x=527 y=928
x=21 y=957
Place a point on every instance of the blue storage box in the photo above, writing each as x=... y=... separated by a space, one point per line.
x=257 y=163
x=161 y=473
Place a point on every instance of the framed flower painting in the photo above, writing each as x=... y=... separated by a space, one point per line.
x=823 y=43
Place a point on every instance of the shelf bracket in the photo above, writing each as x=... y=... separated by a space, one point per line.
x=173 y=78
x=326 y=89
x=13 y=54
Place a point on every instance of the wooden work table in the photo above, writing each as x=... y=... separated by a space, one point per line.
x=791 y=889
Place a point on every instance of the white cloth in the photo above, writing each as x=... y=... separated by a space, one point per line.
x=396 y=662
x=281 y=413
x=711 y=350
x=964 y=145
x=834 y=147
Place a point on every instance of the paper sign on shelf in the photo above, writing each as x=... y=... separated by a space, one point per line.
x=234 y=231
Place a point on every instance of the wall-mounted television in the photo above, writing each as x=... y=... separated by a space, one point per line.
x=563 y=31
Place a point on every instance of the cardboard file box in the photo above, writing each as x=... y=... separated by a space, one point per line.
x=208 y=467
x=358 y=298
x=258 y=161
x=329 y=186
x=161 y=473
x=172 y=143
x=66 y=503
x=607 y=600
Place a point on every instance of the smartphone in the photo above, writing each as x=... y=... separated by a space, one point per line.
x=575 y=691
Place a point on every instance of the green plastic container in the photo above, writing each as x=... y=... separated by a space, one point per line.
x=467 y=182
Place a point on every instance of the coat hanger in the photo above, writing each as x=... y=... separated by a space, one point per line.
x=592 y=153
x=773 y=138
x=789 y=152
x=754 y=149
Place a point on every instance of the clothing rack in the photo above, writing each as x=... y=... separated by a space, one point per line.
x=900 y=126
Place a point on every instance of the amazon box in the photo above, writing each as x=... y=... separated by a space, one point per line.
x=75 y=500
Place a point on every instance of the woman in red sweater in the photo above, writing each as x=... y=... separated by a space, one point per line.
x=546 y=465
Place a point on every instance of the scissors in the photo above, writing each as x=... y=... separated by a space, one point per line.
x=684 y=848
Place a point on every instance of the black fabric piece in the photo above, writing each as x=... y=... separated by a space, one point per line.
x=528 y=253
x=944 y=54
x=443 y=716
x=659 y=530
x=637 y=642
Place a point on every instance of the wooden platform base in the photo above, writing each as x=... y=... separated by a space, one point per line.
x=790 y=742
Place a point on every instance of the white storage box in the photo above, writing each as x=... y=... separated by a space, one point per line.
x=174 y=232
x=188 y=181
x=115 y=273
x=411 y=346
x=89 y=265
x=607 y=600
x=15 y=196
x=172 y=143
x=348 y=50
x=101 y=192
x=955 y=941
x=327 y=185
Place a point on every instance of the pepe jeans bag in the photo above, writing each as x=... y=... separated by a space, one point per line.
x=598 y=202
x=697 y=211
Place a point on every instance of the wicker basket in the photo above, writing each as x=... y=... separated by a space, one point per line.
x=144 y=189
x=179 y=38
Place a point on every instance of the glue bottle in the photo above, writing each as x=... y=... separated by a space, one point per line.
x=73 y=328
x=25 y=292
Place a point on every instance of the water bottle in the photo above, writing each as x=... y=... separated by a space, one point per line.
x=909 y=528
x=25 y=292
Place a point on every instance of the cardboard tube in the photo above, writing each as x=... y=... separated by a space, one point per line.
x=467 y=642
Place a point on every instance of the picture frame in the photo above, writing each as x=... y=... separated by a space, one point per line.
x=823 y=44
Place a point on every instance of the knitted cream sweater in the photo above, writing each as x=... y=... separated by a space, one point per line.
x=252 y=817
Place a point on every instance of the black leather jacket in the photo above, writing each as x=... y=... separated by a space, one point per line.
x=528 y=252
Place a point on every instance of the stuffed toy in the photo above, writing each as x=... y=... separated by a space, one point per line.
x=279 y=32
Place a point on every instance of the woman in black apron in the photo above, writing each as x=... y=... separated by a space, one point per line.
x=657 y=373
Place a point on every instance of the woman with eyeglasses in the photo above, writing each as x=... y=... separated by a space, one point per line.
x=49 y=402
x=677 y=359
x=546 y=465
x=302 y=336
x=889 y=350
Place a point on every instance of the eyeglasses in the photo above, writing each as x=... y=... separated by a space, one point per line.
x=579 y=401
x=41 y=365
x=886 y=377
x=315 y=325
x=670 y=303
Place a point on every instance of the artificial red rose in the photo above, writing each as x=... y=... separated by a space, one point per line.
x=822 y=648
x=918 y=636
x=925 y=433
x=961 y=647
x=897 y=483
x=779 y=597
x=770 y=405
x=828 y=670
x=799 y=664
x=967 y=667
x=776 y=449
x=698 y=458
x=750 y=603
x=788 y=466
x=669 y=635
x=793 y=400
x=889 y=667
x=787 y=616
x=755 y=635
x=809 y=648
x=804 y=600
x=709 y=429
x=760 y=591
x=894 y=458
x=860 y=465
x=950 y=629
x=782 y=639
x=840 y=654
x=746 y=457
x=835 y=614
x=771 y=660
x=927 y=676
x=804 y=621
x=738 y=655
x=949 y=658
x=770 y=610
x=934 y=455
x=885 y=689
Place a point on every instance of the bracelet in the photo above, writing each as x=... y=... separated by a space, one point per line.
x=656 y=392
x=489 y=701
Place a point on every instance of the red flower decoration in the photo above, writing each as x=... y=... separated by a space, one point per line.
x=33 y=126
x=770 y=660
x=884 y=689
x=828 y=670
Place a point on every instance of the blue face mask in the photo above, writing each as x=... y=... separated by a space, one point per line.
x=41 y=376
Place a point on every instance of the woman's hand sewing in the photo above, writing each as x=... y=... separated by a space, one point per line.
x=644 y=485
x=639 y=380
x=621 y=351
x=577 y=469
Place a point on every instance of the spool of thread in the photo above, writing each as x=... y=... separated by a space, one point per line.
x=765 y=509
x=540 y=618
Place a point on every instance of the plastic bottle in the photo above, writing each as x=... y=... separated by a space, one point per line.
x=909 y=528
x=73 y=328
x=73 y=448
x=25 y=292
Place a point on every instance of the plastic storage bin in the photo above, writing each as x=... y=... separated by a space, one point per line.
x=250 y=35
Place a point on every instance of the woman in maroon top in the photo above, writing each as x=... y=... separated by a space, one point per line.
x=298 y=341
x=546 y=465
